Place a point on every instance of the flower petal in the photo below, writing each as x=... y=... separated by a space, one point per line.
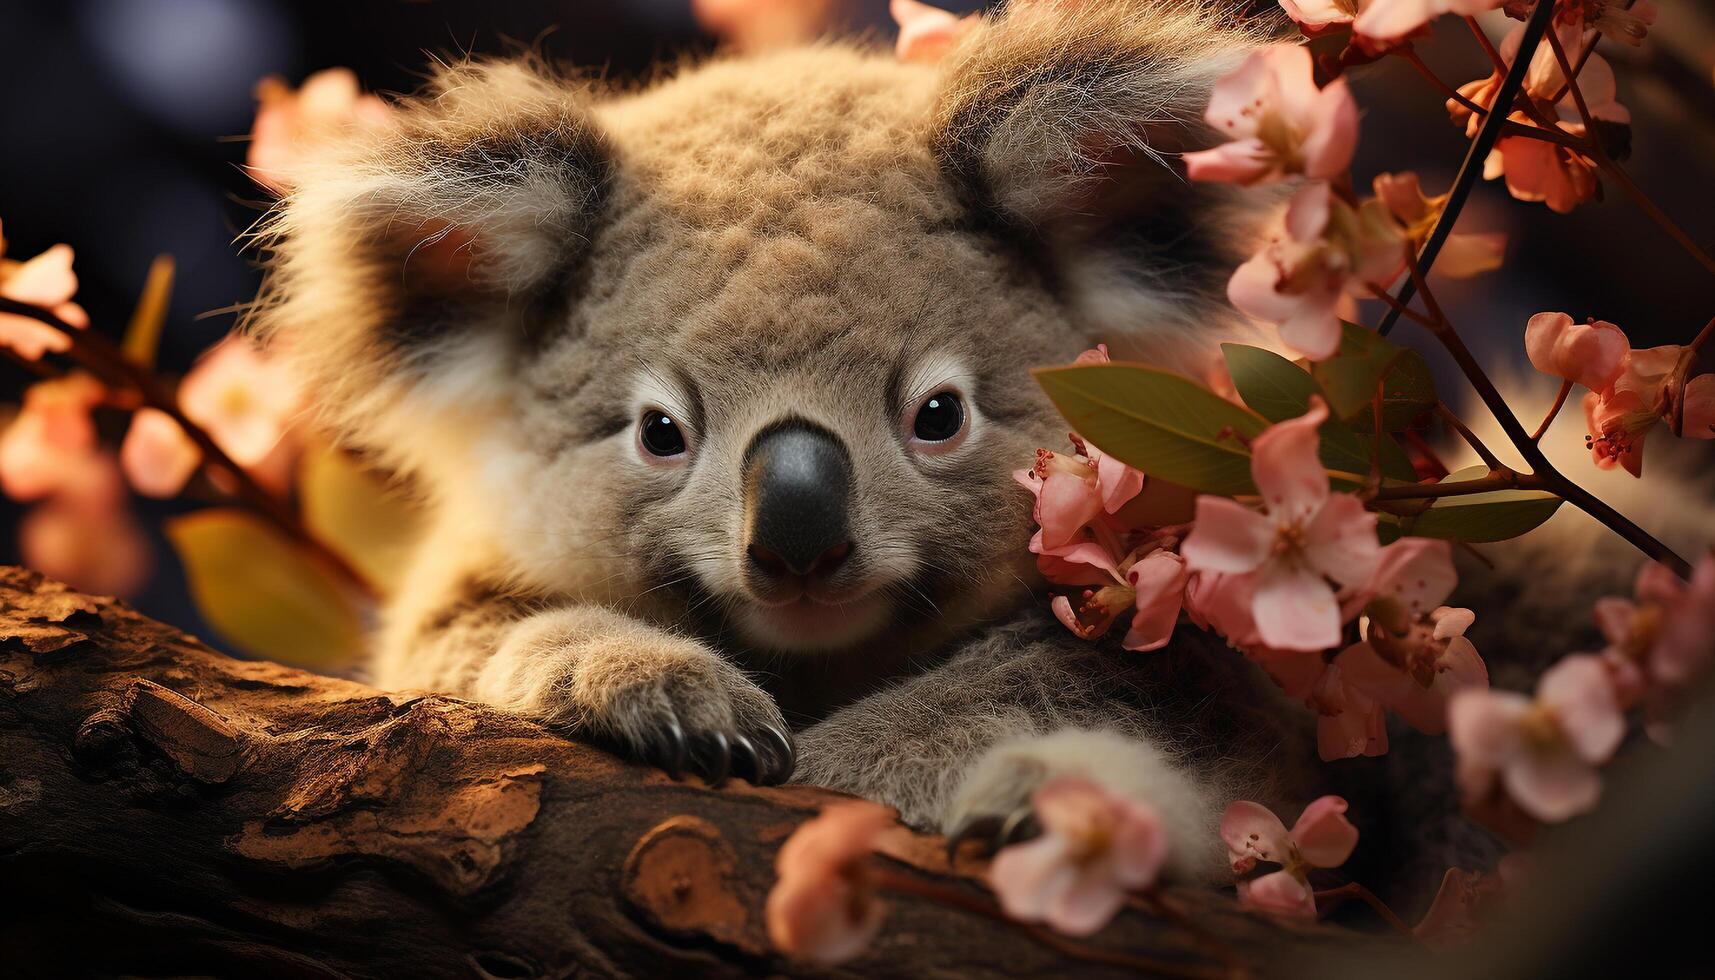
x=1324 y=836
x=1580 y=693
x=1287 y=468
x=1483 y=726
x=1253 y=833
x=1340 y=541
x=1295 y=608
x=1227 y=537
x=1552 y=786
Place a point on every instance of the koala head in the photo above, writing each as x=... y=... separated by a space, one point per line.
x=749 y=346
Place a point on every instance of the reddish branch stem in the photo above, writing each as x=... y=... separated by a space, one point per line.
x=1553 y=411
x=1606 y=163
x=95 y=352
x=1543 y=474
x=1354 y=890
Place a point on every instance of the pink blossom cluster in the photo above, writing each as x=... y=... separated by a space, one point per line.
x=1554 y=172
x=1524 y=759
x=1281 y=581
x=82 y=530
x=1630 y=390
x=1330 y=247
x=1322 y=837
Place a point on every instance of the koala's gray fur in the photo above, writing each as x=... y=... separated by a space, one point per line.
x=490 y=293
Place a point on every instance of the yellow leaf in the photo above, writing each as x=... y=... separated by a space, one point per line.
x=262 y=592
x=143 y=334
x=352 y=511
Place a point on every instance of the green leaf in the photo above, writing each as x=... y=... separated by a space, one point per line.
x=1346 y=451
x=1278 y=390
x=1162 y=423
x=352 y=511
x=262 y=593
x=1408 y=391
x=1271 y=385
x=143 y=333
x=1351 y=375
x=1493 y=516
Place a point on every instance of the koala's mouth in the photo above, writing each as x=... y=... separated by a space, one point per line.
x=809 y=622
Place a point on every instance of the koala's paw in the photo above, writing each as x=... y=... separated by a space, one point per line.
x=663 y=699
x=992 y=804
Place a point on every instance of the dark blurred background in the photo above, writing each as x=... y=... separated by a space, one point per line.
x=122 y=125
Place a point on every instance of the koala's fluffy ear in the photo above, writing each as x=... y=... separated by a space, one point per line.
x=1065 y=121
x=429 y=252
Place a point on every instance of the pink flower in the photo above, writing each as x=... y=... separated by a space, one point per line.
x=157 y=456
x=761 y=25
x=1413 y=576
x=1542 y=752
x=1322 y=838
x=46 y=281
x=1390 y=19
x=1151 y=588
x=1278 y=122
x=1685 y=642
x=84 y=535
x=1661 y=639
x=288 y=123
x=1462 y=255
x=1118 y=482
x=1620 y=416
x=1305 y=537
x=1318 y=17
x=245 y=401
x=1590 y=354
x=1159 y=581
x=1326 y=249
x=1349 y=722
x=1068 y=496
x=1094 y=849
x=1413 y=674
x=48 y=444
x=823 y=907
x=925 y=32
x=1536 y=170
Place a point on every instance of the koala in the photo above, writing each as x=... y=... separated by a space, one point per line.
x=713 y=391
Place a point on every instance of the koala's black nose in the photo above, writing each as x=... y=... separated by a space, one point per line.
x=797 y=481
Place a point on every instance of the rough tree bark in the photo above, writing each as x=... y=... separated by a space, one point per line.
x=166 y=810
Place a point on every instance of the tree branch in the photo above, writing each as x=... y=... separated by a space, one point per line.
x=168 y=811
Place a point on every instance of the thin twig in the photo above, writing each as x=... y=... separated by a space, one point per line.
x=1608 y=166
x=1458 y=425
x=1354 y=890
x=1546 y=476
x=1487 y=134
x=97 y=353
x=1504 y=478
x=1553 y=411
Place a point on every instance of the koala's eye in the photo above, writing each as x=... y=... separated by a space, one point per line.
x=939 y=418
x=660 y=435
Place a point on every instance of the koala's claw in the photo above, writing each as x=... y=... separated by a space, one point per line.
x=746 y=763
x=786 y=750
x=719 y=759
x=671 y=750
x=994 y=831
